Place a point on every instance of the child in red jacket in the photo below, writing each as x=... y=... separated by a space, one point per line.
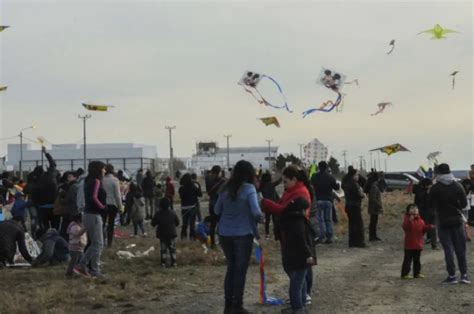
x=414 y=228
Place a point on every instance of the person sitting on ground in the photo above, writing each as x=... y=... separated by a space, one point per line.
x=166 y=221
x=11 y=235
x=77 y=243
x=414 y=228
x=138 y=213
x=20 y=207
x=203 y=231
x=54 y=251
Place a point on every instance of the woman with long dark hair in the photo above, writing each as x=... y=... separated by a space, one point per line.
x=95 y=197
x=268 y=189
x=354 y=195
x=239 y=211
x=189 y=194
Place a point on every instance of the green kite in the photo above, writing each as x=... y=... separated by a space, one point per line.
x=438 y=32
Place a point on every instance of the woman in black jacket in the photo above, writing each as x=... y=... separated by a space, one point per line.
x=189 y=194
x=268 y=190
x=354 y=195
x=427 y=212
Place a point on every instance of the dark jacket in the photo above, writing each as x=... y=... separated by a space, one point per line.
x=11 y=235
x=449 y=199
x=352 y=193
x=148 y=186
x=68 y=198
x=55 y=249
x=165 y=221
x=189 y=194
x=268 y=190
x=95 y=196
x=375 y=200
x=296 y=239
x=324 y=184
x=422 y=201
x=44 y=189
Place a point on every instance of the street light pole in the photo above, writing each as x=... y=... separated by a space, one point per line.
x=344 y=153
x=301 y=151
x=269 y=154
x=228 y=150
x=84 y=129
x=21 y=148
x=170 y=129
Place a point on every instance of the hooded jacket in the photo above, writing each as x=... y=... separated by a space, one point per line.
x=324 y=184
x=414 y=231
x=449 y=199
x=352 y=192
x=165 y=221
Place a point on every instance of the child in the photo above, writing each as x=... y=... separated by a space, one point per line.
x=202 y=232
x=19 y=208
x=137 y=214
x=166 y=221
x=77 y=243
x=414 y=228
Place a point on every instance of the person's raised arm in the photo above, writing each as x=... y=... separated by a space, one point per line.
x=51 y=162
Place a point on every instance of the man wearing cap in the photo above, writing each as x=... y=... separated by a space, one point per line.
x=448 y=198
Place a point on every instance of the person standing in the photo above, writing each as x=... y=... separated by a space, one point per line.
x=67 y=197
x=139 y=177
x=268 y=190
x=427 y=212
x=170 y=191
x=354 y=196
x=375 y=207
x=95 y=199
x=239 y=211
x=189 y=194
x=199 y=188
x=214 y=183
x=449 y=200
x=324 y=184
x=148 y=188
x=113 y=201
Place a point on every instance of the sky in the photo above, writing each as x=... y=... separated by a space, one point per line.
x=176 y=63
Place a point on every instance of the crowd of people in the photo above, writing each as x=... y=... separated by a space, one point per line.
x=73 y=216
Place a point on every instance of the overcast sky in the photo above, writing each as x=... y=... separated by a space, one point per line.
x=177 y=63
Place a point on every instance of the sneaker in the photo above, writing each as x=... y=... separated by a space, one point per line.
x=465 y=279
x=308 y=300
x=407 y=277
x=420 y=276
x=451 y=280
x=144 y=235
x=81 y=272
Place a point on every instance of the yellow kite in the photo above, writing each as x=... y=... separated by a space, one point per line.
x=270 y=120
x=392 y=149
x=3 y=27
x=92 y=107
x=438 y=32
x=2 y=88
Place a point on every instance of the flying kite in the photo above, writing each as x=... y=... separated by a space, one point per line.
x=3 y=27
x=270 y=120
x=92 y=107
x=392 y=44
x=334 y=81
x=454 y=77
x=438 y=32
x=250 y=81
x=2 y=88
x=391 y=149
x=433 y=157
x=381 y=106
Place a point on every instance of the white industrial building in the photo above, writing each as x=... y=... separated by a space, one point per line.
x=315 y=151
x=127 y=156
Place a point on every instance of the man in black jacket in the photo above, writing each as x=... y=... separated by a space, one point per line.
x=448 y=198
x=324 y=184
x=11 y=235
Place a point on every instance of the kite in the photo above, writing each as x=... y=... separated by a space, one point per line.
x=422 y=171
x=334 y=81
x=92 y=107
x=270 y=120
x=454 y=77
x=3 y=27
x=250 y=81
x=433 y=157
x=438 y=32
x=263 y=298
x=2 y=88
x=313 y=170
x=392 y=43
x=381 y=106
x=391 y=149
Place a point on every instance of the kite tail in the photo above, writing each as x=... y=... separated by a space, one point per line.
x=285 y=106
x=323 y=108
x=393 y=47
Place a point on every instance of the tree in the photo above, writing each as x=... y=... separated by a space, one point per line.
x=178 y=164
x=333 y=165
x=281 y=161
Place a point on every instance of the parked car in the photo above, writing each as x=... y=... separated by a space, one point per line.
x=399 y=181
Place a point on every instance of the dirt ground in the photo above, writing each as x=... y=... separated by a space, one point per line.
x=346 y=280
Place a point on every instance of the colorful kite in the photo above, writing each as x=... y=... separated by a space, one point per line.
x=391 y=149
x=334 y=81
x=454 y=77
x=422 y=171
x=3 y=27
x=381 y=107
x=2 y=88
x=433 y=157
x=263 y=298
x=270 y=120
x=92 y=107
x=250 y=81
x=392 y=44
x=438 y=32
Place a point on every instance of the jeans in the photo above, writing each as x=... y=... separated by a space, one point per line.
x=298 y=288
x=453 y=241
x=374 y=219
x=237 y=250
x=214 y=220
x=198 y=211
x=268 y=219
x=325 y=218
x=168 y=246
x=76 y=257
x=109 y=217
x=150 y=207
x=34 y=221
x=93 y=225
x=309 y=281
x=189 y=220
x=136 y=225
x=411 y=256
x=356 y=226
x=65 y=221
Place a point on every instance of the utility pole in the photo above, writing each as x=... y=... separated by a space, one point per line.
x=84 y=129
x=344 y=153
x=269 y=154
x=21 y=148
x=371 y=161
x=228 y=150
x=301 y=151
x=170 y=130
x=378 y=155
x=361 y=166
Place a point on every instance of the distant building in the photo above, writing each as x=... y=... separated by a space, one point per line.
x=127 y=156
x=315 y=151
x=209 y=154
